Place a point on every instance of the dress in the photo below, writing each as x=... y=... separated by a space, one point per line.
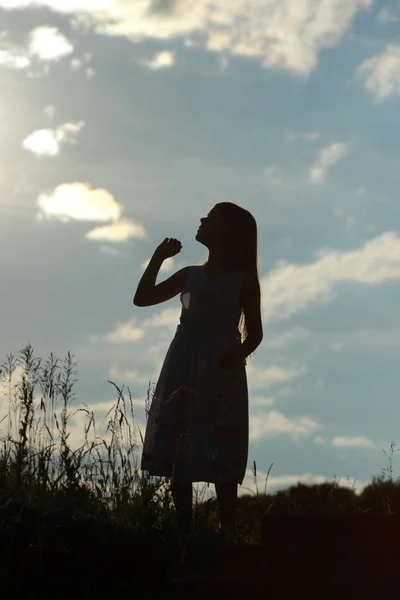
x=198 y=419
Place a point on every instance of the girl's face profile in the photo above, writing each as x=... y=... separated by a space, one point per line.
x=212 y=225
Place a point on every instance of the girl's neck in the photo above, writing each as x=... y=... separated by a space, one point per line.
x=215 y=269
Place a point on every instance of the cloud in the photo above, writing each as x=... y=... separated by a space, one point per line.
x=327 y=157
x=274 y=423
x=290 y=288
x=48 y=43
x=90 y=73
x=127 y=331
x=282 y=34
x=123 y=332
x=13 y=60
x=49 y=111
x=281 y=482
x=78 y=64
x=262 y=401
x=48 y=142
x=120 y=231
x=78 y=201
x=161 y=60
x=351 y=442
x=386 y=16
x=45 y=44
x=381 y=73
x=168 y=317
x=273 y=375
x=218 y=40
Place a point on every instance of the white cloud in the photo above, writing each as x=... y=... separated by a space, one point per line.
x=124 y=332
x=129 y=331
x=280 y=482
x=90 y=73
x=76 y=64
x=381 y=73
x=48 y=142
x=45 y=44
x=161 y=60
x=351 y=442
x=386 y=16
x=49 y=111
x=48 y=43
x=120 y=231
x=273 y=375
x=327 y=157
x=261 y=401
x=280 y=33
x=290 y=390
x=290 y=288
x=13 y=60
x=80 y=202
x=273 y=423
x=169 y=317
x=218 y=40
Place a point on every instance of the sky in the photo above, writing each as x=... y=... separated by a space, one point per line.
x=124 y=122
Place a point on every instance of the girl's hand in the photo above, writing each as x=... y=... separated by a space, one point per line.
x=230 y=361
x=168 y=248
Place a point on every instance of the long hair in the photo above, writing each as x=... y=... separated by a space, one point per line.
x=242 y=248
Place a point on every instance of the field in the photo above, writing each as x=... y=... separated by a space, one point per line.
x=88 y=521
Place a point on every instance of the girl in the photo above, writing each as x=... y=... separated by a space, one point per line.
x=197 y=426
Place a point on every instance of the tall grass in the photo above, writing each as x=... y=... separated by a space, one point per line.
x=50 y=491
x=40 y=471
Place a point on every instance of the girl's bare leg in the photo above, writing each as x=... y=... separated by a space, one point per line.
x=182 y=495
x=227 y=500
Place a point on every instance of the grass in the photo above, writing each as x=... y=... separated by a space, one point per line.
x=89 y=518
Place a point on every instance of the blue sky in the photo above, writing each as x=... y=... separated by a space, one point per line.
x=123 y=123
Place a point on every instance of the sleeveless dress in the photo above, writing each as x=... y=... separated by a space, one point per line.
x=197 y=424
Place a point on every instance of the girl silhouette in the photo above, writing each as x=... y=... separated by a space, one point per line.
x=197 y=425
